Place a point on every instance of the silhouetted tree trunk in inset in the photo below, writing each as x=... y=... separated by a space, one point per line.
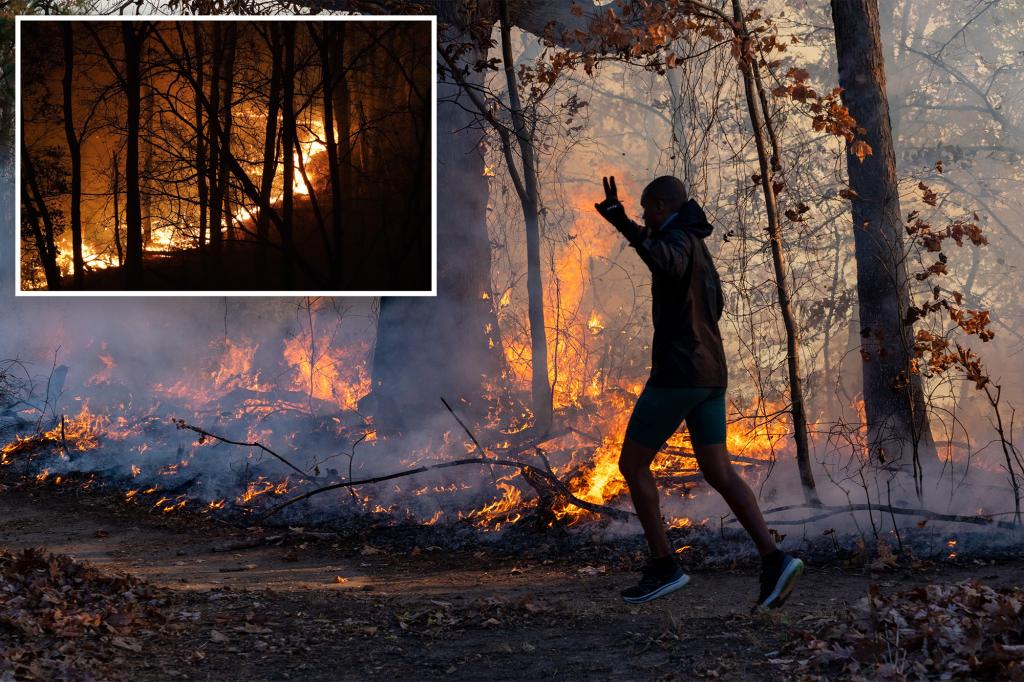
x=328 y=44
x=115 y=165
x=35 y=205
x=146 y=176
x=201 y=135
x=341 y=107
x=270 y=142
x=218 y=146
x=133 y=35
x=224 y=190
x=75 y=154
x=288 y=144
x=897 y=419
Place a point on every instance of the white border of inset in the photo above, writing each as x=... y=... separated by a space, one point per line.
x=241 y=18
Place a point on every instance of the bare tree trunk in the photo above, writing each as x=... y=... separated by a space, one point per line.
x=37 y=211
x=897 y=418
x=201 y=135
x=223 y=84
x=133 y=37
x=768 y=166
x=288 y=143
x=75 y=153
x=270 y=142
x=115 y=166
x=146 y=176
x=213 y=106
x=333 y=34
x=529 y=198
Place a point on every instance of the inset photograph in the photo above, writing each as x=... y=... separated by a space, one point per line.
x=205 y=157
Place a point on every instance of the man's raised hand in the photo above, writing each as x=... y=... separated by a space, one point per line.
x=611 y=209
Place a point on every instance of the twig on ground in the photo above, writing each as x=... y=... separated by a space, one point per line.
x=538 y=474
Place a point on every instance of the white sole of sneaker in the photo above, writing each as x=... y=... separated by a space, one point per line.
x=784 y=585
x=660 y=592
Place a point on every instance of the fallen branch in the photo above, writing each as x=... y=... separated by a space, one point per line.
x=535 y=472
x=832 y=511
x=181 y=424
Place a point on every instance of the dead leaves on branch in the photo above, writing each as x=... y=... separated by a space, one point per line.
x=934 y=352
x=827 y=112
x=963 y=631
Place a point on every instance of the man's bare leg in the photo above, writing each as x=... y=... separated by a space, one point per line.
x=720 y=474
x=635 y=465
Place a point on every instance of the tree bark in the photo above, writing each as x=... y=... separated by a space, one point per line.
x=132 y=38
x=75 y=154
x=224 y=176
x=146 y=174
x=770 y=163
x=115 y=167
x=198 y=40
x=529 y=198
x=270 y=142
x=213 y=137
x=288 y=145
x=897 y=418
x=328 y=43
x=32 y=198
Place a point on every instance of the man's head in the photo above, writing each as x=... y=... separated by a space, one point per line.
x=661 y=198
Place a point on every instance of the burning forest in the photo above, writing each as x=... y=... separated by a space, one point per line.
x=225 y=156
x=726 y=288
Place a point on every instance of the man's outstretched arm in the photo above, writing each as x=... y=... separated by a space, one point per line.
x=667 y=253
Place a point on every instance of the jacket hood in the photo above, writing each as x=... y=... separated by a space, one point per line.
x=691 y=218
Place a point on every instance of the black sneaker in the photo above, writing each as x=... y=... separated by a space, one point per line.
x=778 y=577
x=657 y=581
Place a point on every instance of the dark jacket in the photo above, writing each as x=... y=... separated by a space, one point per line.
x=687 y=300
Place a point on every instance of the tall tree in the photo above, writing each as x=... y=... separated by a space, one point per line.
x=39 y=218
x=270 y=140
x=529 y=197
x=769 y=164
x=133 y=36
x=288 y=137
x=74 y=152
x=202 y=178
x=897 y=418
x=330 y=43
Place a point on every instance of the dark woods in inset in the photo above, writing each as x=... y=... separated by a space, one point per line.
x=226 y=155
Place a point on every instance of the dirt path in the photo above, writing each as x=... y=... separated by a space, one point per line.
x=325 y=607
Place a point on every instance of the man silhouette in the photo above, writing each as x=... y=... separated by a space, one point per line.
x=687 y=381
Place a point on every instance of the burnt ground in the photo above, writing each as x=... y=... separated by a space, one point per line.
x=290 y=604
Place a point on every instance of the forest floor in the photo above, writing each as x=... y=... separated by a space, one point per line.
x=333 y=606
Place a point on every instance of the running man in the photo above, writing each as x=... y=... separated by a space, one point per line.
x=688 y=380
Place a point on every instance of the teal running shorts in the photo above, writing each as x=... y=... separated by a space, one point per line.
x=660 y=410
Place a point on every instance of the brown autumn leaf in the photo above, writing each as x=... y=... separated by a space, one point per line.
x=861 y=150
